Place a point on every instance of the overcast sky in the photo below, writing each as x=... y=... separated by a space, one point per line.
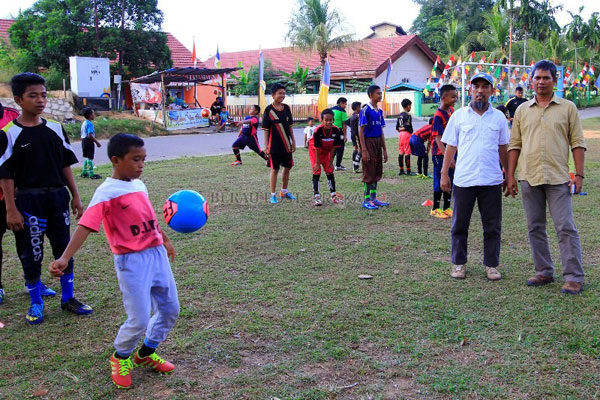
x=245 y=25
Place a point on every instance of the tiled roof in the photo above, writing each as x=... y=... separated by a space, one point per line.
x=180 y=55
x=4 y=25
x=367 y=58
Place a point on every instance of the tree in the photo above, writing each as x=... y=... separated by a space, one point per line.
x=315 y=26
x=575 y=31
x=495 y=38
x=246 y=83
x=430 y=24
x=591 y=34
x=296 y=80
x=51 y=31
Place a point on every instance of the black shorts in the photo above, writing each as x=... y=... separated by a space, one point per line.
x=250 y=141
x=284 y=160
x=88 y=148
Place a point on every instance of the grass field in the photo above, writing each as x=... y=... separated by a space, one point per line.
x=272 y=306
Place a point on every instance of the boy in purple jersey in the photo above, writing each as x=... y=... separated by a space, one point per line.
x=247 y=136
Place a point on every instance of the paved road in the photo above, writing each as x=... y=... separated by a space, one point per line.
x=171 y=147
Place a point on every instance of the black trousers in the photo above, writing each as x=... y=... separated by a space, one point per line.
x=489 y=203
x=339 y=154
x=46 y=213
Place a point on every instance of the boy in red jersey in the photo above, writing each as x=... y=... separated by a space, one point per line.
x=321 y=149
x=418 y=148
x=141 y=253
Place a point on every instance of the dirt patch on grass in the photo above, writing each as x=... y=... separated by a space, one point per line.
x=591 y=134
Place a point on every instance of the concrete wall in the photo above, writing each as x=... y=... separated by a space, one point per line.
x=412 y=65
x=57 y=109
x=385 y=31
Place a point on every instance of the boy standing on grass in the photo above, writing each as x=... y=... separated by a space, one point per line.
x=405 y=130
x=280 y=142
x=440 y=120
x=418 y=148
x=339 y=120
x=372 y=144
x=36 y=161
x=309 y=131
x=353 y=122
x=141 y=253
x=322 y=147
x=248 y=136
x=88 y=140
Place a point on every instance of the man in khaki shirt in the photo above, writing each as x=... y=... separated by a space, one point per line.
x=544 y=129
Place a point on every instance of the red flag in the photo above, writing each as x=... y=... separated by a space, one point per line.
x=194 y=60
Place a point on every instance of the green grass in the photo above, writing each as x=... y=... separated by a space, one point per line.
x=592 y=124
x=106 y=127
x=272 y=306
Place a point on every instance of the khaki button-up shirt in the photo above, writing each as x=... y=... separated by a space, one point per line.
x=544 y=136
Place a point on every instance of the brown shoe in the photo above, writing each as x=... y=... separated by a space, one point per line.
x=492 y=274
x=540 y=280
x=572 y=287
x=459 y=271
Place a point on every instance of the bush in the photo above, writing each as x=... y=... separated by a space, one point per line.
x=54 y=79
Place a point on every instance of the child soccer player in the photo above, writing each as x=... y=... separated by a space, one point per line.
x=36 y=161
x=372 y=144
x=248 y=136
x=326 y=140
x=223 y=118
x=440 y=120
x=280 y=142
x=141 y=253
x=353 y=122
x=309 y=131
x=88 y=140
x=339 y=119
x=405 y=130
x=7 y=114
x=418 y=148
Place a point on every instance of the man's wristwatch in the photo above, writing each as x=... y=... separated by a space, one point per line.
x=581 y=176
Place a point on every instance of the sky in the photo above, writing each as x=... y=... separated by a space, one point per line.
x=245 y=25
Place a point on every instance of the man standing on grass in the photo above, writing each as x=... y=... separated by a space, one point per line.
x=544 y=129
x=480 y=134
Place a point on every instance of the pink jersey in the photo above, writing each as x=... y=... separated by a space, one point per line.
x=129 y=220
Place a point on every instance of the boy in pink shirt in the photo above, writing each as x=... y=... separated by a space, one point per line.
x=142 y=251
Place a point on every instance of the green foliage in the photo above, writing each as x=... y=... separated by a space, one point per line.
x=295 y=82
x=107 y=127
x=315 y=26
x=246 y=83
x=50 y=31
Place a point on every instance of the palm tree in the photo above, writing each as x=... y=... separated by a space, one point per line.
x=509 y=9
x=496 y=37
x=458 y=39
x=591 y=33
x=315 y=26
x=297 y=78
x=556 y=45
x=574 y=30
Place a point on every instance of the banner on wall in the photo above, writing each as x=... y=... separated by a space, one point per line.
x=183 y=119
x=146 y=93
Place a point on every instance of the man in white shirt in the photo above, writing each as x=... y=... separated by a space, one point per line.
x=480 y=135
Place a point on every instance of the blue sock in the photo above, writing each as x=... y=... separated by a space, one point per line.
x=150 y=343
x=66 y=284
x=35 y=293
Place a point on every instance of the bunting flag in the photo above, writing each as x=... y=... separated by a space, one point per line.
x=479 y=66
x=492 y=68
x=432 y=75
x=386 y=86
x=582 y=75
x=324 y=88
x=262 y=85
x=194 y=59
x=468 y=67
x=513 y=77
x=442 y=79
x=217 y=59
x=567 y=77
x=454 y=76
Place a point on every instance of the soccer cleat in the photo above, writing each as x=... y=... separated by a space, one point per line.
x=45 y=291
x=273 y=199
x=236 y=162
x=438 y=213
x=35 y=314
x=155 y=362
x=120 y=371
x=337 y=199
x=380 y=203
x=95 y=176
x=401 y=172
x=2 y=295
x=287 y=195
x=342 y=168
x=357 y=171
x=318 y=201
x=76 y=307
x=448 y=212
x=369 y=205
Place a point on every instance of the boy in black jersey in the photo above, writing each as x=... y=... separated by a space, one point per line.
x=36 y=161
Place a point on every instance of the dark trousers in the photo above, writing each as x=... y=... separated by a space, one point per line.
x=46 y=213
x=339 y=154
x=489 y=203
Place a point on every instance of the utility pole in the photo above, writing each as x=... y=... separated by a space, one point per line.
x=96 y=26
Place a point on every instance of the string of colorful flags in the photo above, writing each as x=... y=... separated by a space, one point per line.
x=519 y=76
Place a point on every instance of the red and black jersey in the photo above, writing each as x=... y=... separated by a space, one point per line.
x=424 y=133
x=326 y=140
x=440 y=120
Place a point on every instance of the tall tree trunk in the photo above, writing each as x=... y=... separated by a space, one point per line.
x=122 y=37
x=510 y=31
x=525 y=49
x=96 y=26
